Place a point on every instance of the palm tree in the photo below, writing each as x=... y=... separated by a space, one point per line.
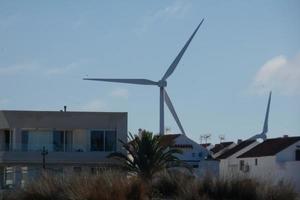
x=148 y=154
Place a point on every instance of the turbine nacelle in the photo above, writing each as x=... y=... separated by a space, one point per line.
x=162 y=83
x=164 y=97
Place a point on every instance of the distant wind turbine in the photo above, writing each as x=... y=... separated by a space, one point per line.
x=263 y=134
x=162 y=83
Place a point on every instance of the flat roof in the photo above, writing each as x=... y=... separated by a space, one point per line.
x=59 y=119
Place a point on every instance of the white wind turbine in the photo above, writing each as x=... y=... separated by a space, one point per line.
x=162 y=83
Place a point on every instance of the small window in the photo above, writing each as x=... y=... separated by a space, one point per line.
x=200 y=154
x=298 y=154
x=242 y=164
x=195 y=166
x=255 y=161
x=193 y=154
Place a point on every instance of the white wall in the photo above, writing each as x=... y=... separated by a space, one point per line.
x=188 y=153
x=229 y=166
x=276 y=168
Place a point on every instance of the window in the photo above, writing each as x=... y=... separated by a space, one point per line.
x=24 y=140
x=7 y=139
x=193 y=154
x=200 y=154
x=255 y=161
x=58 y=140
x=298 y=154
x=97 y=140
x=195 y=166
x=242 y=164
x=110 y=140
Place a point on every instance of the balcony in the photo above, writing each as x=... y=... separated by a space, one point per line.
x=57 y=154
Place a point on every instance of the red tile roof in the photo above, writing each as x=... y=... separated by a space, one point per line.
x=235 y=149
x=270 y=147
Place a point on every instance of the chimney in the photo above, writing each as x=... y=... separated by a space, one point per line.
x=65 y=108
x=239 y=141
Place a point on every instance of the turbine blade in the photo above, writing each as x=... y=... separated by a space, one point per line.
x=173 y=112
x=265 y=128
x=177 y=59
x=129 y=81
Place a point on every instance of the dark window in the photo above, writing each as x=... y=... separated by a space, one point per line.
x=110 y=140
x=97 y=140
x=24 y=140
x=298 y=154
x=195 y=166
x=200 y=154
x=58 y=140
x=7 y=140
x=242 y=164
x=255 y=161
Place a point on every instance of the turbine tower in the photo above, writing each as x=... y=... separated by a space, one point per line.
x=162 y=83
x=263 y=134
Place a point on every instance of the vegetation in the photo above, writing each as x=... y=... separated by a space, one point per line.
x=114 y=185
x=148 y=154
x=150 y=178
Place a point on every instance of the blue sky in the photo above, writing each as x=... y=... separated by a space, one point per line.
x=242 y=50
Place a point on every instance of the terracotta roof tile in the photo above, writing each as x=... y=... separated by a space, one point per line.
x=270 y=147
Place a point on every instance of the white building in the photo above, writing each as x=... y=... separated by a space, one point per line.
x=273 y=160
x=75 y=141
x=192 y=152
x=229 y=163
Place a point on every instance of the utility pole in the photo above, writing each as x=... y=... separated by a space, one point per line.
x=44 y=153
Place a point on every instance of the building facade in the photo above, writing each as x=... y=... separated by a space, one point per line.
x=72 y=142
x=274 y=160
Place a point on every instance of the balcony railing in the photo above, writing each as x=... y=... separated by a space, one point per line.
x=48 y=146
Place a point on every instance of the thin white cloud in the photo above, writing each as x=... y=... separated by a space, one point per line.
x=3 y=101
x=120 y=93
x=177 y=9
x=18 y=68
x=62 y=70
x=94 y=105
x=280 y=74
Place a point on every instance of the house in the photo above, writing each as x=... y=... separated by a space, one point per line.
x=219 y=149
x=229 y=162
x=192 y=152
x=72 y=142
x=273 y=160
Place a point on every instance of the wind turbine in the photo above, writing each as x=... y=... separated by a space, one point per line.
x=263 y=134
x=162 y=83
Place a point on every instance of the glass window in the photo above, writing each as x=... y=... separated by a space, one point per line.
x=24 y=140
x=255 y=161
x=298 y=154
x=110 y=140
x=242 y=164
x=58 y=140
x=97 y=140
x=7 y=140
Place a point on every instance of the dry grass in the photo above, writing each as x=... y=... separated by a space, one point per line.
x=166 y=185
